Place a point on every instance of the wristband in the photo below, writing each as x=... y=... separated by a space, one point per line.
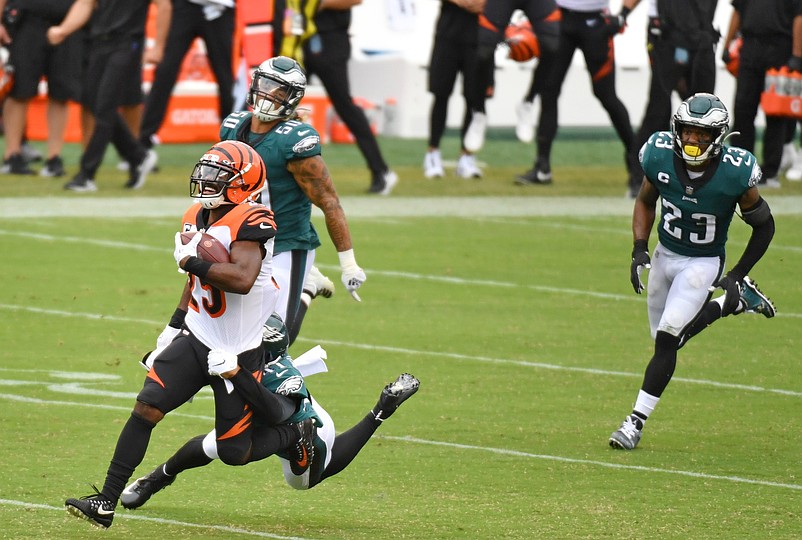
x=625 y=11
x=177 y=320
x=347 y=259
x=197 y=266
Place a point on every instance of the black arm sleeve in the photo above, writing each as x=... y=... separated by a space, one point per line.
x=271 y=408
x=762 y=222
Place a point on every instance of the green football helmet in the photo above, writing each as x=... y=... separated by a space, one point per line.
x=275 y=338
x=704 y=111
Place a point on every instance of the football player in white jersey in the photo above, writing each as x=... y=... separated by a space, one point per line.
x=227 y=304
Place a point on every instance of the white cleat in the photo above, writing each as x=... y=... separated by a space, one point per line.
x=433 y=165
x=467 y=167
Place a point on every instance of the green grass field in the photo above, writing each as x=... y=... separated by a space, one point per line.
x=512 y=305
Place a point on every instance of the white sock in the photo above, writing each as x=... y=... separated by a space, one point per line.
x=741 y=305
x=645 y=404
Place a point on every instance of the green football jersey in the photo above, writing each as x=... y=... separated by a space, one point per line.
x=287 y=141
x=282 y=377
x=695 y=214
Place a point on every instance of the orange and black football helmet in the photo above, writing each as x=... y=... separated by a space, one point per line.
x=230 y=172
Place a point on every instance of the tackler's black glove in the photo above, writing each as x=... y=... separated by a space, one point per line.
x=640 y=260
x=732 y=294
x=725 y=56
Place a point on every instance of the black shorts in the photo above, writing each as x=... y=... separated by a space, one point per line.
x=33 y=58
x=182 y=369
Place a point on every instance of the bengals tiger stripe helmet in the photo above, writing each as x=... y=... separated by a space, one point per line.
x=230 y=172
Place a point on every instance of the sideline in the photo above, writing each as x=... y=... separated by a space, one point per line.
x=356 y=206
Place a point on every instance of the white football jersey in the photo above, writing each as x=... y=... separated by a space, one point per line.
x=224 y=320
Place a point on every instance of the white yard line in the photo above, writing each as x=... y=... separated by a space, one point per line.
x=498 y=451
x=125 y=515
x=431 y=354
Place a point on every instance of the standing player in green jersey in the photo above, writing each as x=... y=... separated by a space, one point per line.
x=297 y=178
x=699 y=182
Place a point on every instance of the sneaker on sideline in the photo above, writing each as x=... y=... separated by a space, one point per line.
x=467 y=167
x=433 y=165
x=383 y=184
x=54 y=167
x=16 y=164
x=475 y=134
x=81 y=184
x=794 y=173
x=138 y=175
x=539 y=174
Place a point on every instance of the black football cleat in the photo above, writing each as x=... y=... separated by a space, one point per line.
x=304 y=451
x=95 y=508
x=394 y=394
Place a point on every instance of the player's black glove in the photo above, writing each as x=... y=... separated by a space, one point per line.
x=640 y=260
x=795 y=63
x=616 y=23
x=732 y=294
x=725 y=56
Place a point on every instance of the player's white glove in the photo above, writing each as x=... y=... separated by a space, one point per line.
x=220 y=362
x=166 y=337
x=182 y=251
x=352 y=275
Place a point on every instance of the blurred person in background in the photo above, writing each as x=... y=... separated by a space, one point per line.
x=214 y=22
x=326 y=55
x=454 y=52
x=116 y=37
x=586 y=25
x=24 y=29
x=772 y=38
x=682 y=58
x=543 y=15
